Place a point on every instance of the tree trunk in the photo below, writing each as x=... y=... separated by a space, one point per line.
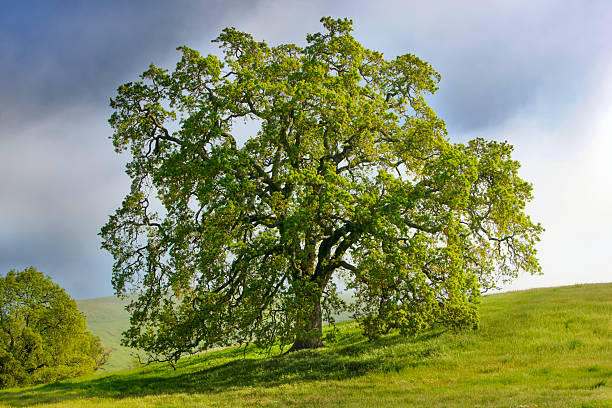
x=310 y=333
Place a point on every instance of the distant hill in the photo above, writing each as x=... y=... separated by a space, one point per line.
x=107 y=318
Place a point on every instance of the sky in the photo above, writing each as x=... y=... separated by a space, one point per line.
x=536 y=73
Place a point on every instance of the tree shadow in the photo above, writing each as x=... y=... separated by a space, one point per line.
x=350 y=356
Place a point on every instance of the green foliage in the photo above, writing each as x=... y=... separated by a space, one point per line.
x=538 y=348
x=43 y=336
x=351 y=175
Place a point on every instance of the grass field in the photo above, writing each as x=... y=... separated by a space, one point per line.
x=107 y=318
x=536 y=348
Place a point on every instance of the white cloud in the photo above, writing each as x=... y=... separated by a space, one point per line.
x=570 y=168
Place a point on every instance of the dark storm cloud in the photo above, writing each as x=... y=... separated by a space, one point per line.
x=59 y=179
x=57 y=53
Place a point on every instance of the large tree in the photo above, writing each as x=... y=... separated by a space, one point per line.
x=43 y=336
x=226 y=239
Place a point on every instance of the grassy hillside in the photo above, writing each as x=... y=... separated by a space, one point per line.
x=536 y=348
x=107 y=318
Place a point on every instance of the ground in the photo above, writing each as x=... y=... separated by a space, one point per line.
x=537 y=348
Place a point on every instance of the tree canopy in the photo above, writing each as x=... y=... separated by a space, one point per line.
x=43 y=336
x=350 y=177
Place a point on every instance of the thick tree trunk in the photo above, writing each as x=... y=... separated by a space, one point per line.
x=310 y=334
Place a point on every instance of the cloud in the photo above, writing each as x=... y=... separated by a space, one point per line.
x=529 y=73
x=62 y=63
x=58 y=53
x=61 y=182
x=494 y=57
x=568 y=164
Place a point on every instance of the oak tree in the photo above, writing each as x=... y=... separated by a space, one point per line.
x=350 y=177
x=43 y=336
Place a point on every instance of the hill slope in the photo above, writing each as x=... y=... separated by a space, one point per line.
x=107 y=318
x=535 y=348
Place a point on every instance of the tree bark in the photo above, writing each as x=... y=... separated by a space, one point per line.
x=310 y=334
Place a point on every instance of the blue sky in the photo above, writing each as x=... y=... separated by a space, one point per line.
x=535 y=73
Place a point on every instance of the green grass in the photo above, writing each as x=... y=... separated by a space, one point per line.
x=107 y=318
x=536 y=348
